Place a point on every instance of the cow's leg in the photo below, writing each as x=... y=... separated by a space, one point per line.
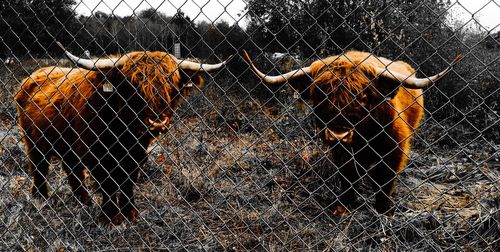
x=76 y=174
x=111 y=212
x=349 y=176
x=349 y=179
x=127 y=202
x=383 y=176
x=136 y=157
x=391 y=148
x=39 y=168
x=384 y=181
x=108 y=187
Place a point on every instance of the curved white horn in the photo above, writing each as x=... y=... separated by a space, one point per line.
x=198 y=67
x=416 y=83
x=89 y=64
x=279 y=79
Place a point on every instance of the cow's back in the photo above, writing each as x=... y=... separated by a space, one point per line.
x=48 y=102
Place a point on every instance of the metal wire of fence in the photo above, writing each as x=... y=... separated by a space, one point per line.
x=287 y=125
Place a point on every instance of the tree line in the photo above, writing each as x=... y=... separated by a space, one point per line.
x=417 y=32
x=302 y=27
x=30 y=28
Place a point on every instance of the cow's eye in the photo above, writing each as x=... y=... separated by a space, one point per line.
x=339 y=128
x=352 y=118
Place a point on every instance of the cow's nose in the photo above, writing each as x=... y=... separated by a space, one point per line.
x=343 y=136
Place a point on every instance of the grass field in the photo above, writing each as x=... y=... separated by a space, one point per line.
x=238 y=171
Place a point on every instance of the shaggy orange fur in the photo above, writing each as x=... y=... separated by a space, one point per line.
x=366 y=116
x=67 y=113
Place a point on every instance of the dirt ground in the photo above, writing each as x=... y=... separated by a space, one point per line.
x=237 y=173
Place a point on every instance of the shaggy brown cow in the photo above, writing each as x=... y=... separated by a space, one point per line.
x=367 y=109
x=102 y=117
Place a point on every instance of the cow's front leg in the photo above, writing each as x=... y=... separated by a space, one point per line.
x=133 y=162
x=349 y=180
x=384 y=181
x=349 y=175
x=383 y=177
x=127 y=201
x=108 y=187
x=111 y=212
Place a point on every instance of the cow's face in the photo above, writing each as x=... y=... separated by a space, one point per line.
x=161 y=85
x=347 y=88
x=337 y=121
x=342 y=99
x=154 y=81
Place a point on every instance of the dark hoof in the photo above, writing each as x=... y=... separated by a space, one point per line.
x=84 y=199
x=117 y=219
x=386 y=209
x=132 y=214
x=340 y=211
x=112 y=217
x=41 y=194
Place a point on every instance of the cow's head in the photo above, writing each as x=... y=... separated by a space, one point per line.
x=159 y=78
x=345 y=89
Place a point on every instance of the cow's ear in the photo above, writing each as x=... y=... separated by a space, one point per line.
x=191 y=79
x=385 y=88
x=388 y=86
x=302 y=85
x=197 y=80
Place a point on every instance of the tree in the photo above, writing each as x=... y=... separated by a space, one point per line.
x=323 y=27
x=33 y=26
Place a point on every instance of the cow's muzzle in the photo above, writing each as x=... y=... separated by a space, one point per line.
x=344 y=136
x=159 y=125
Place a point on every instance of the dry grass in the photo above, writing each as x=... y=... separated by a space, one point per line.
x=231 y=176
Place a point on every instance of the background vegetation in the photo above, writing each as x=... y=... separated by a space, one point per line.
x=240 y=169
x=418 y=32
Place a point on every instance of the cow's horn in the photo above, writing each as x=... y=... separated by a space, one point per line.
x=199 y=67
x=98 y=64
x=415 y=83
x=279 y=79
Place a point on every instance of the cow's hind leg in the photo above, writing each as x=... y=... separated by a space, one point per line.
x=39 y=168
x=76 y=174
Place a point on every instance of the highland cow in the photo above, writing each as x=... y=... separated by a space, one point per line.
x=367 y=108
x=102 y=117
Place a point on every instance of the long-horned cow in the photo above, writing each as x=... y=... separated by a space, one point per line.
x=367 y=109
x=102 y=116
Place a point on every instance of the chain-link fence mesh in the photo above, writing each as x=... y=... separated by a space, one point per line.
x=146 y=149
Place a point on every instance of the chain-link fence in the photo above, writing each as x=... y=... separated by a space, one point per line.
x=117 y=138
